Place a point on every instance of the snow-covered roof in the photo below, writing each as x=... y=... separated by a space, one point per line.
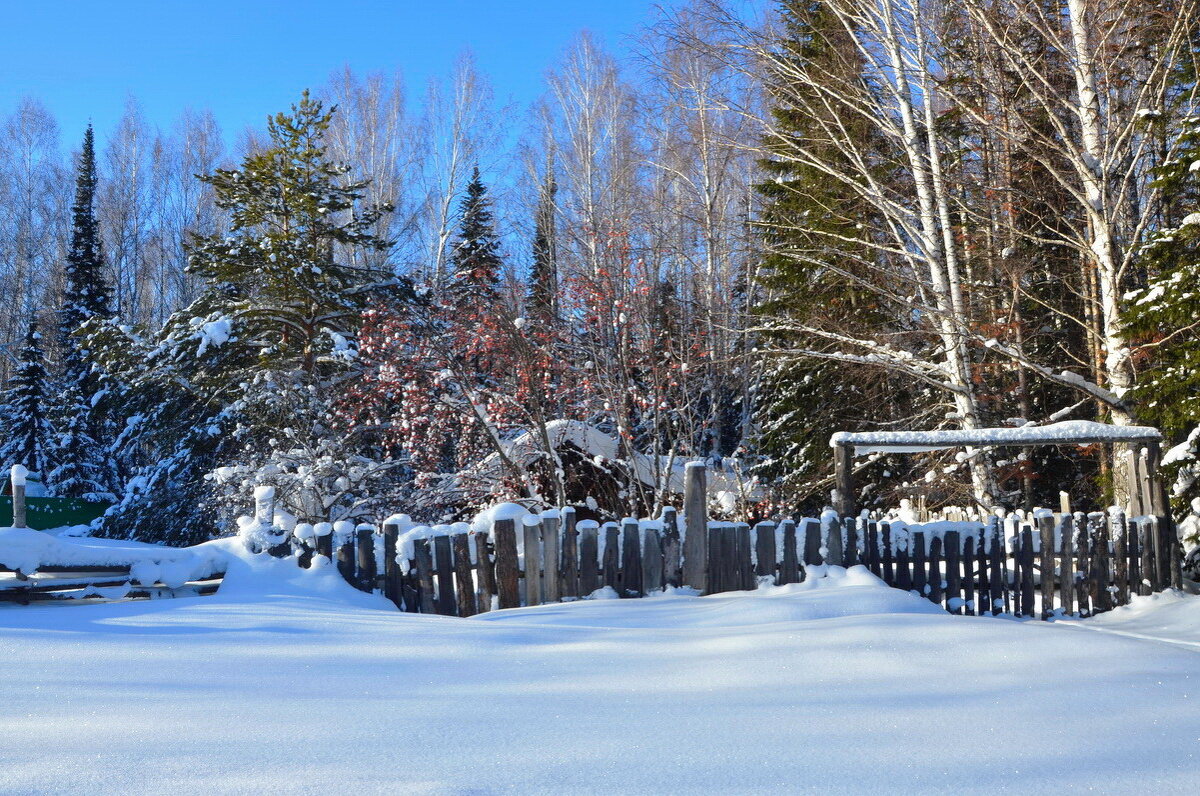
x=1066 y=432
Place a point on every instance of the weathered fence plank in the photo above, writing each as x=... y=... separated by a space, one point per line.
x=589 y=552
x=871 y=547
x=366 y=559
x=672 y=561
x=968 y=581
x=391 y=568
x=552 y=577
x=1028 y=593
x=812 y=543
x=444 y=566
x=486 y=572
x=508 y=570
x=532 y=534
x=953 y=547
x=789 y=568
x=695 y=542
x=920 y=583
x=1066 y=580
x=1120 y=562
x=835 y=552
x=1046 y=561
x=764 y=550
x=462 y=575
x=888 y=554
x=612 y=556
x=1083 y=565
x=424 y=564
x=570 y=555
x=935 y=581
x=631 y=560
x=652 y=562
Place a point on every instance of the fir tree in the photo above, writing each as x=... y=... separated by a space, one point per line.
x=542 y=302
x=83 y=469
x=1163 y=316
x=475 y=260
x=25 y=434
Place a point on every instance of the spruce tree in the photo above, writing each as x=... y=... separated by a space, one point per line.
x=542 y=302
x=809 y=224
x=25 y=434
x=475 y=260
x=84 y=469
x=1163 y=316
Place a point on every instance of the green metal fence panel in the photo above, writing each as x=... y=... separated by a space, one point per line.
x=44 y=513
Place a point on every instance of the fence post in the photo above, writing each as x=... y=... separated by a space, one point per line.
x=18 y=474
x=570 y=554
x=589 y=547
x=672 y=575
x=532 y=527
x=612 y=556
x=508 y=589
x=550 y=564
x=952 y=544
x=695 y=542
x=462 y=575
x=366 y=558
x=1046 y=555
x=834 y=551
x=1066 y=580
x=486 y=573
x=764 y=550
x=391 y=569
x=789 y=568
x=631 y=559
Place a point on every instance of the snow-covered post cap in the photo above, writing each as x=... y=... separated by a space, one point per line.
x=18 y=474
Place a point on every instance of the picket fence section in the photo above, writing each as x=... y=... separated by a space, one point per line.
x=1043 y=565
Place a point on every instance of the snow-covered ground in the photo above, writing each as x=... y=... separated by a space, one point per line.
x=287 y=681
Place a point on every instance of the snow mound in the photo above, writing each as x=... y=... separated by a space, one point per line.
x=829 y=593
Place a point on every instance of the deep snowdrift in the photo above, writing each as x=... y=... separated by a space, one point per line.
x=836 y=685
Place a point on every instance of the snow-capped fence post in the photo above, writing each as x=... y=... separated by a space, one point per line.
x=550 y=559
x=532 y=527
x=570 y=554
x=1120 y=537
x=850 y=554
x=423 y=563
x=17 y=476
x=764 y=550
x=652 y=562
x=833 y=541
x=844 y=480
x=1046 y=562
x=508 y=572
x=888 y=564
x=1066 y=578
x=391 y=567
x=812 y=543
x=953 y=547
x=612 y=557
x=589 y=552
x=444 y=565
x=366 y=559
x=672 y=554
x=485 y=571
x=324 y=540
x=462 y=575
x=789 y=566
x=695 y=541
x=935 y=570
x=968 y=581
x=631 y=559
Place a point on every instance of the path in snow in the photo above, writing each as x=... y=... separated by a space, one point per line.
x=846 y=687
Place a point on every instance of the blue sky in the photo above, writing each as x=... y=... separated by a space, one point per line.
x=246 y=59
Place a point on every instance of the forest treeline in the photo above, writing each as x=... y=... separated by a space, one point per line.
x=758 y=230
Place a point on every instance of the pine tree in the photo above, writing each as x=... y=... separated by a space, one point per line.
x=25 y=434
x=241 y=387
x=83 y=469
x=475 y=261
x=542 y=302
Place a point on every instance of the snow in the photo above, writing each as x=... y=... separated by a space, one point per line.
x=289 y=681
x=18 y=474
x=867 y=442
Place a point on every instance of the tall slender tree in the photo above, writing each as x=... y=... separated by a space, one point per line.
x=25 y=432
x=542 y=302
x=475 y=261
x=83 y=469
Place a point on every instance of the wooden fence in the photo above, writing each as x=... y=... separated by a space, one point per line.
x=1046 y=565
x=94 y=581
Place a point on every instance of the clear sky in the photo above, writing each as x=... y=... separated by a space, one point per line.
x=244 y=59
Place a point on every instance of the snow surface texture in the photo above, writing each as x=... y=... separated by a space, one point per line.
x=866 y=442
x=288 y=681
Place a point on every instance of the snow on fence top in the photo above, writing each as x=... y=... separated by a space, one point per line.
x=1067 y=432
